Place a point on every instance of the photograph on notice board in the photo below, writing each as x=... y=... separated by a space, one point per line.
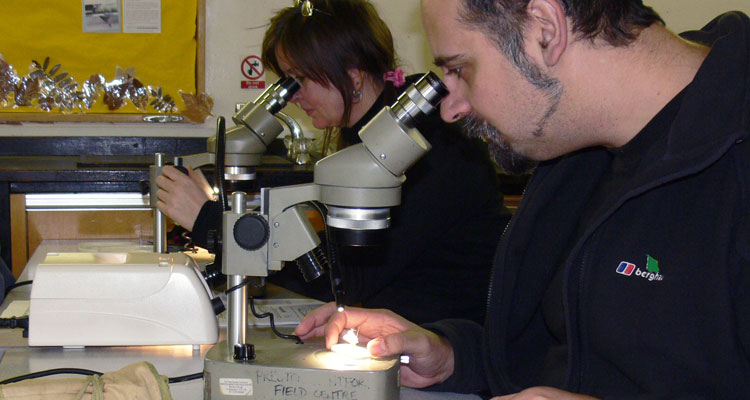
x=101 y=16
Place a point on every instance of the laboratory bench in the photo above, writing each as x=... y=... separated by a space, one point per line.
x=18 y=358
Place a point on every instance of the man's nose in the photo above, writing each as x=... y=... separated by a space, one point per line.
x=454 y=107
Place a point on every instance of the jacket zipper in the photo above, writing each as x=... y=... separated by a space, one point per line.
x=505 y=231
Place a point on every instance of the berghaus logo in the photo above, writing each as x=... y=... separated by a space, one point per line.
x=651 y=273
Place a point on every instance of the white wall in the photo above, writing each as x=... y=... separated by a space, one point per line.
x=235 y=30
x=683 y=15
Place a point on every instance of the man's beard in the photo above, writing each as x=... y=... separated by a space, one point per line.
x=504 y=156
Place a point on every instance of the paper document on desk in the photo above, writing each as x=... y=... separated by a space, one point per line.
x=285 y=311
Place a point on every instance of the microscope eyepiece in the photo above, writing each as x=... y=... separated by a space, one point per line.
x=290 y=84
x=419 y=99
x=280 y=94
x=271 y=100
x=432 y=87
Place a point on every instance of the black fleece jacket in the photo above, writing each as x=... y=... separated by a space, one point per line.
x=656 y=288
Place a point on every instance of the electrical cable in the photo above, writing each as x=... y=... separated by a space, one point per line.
x=273 y=325
x=185 y=378
x=55 y=371
x=240 y=285
x=334 y=272
x=269 y=315
x=81 y=371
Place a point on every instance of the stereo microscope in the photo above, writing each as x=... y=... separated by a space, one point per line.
x=358 y=185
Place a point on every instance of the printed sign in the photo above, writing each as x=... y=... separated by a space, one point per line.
x=253 y=84
x=252 y=68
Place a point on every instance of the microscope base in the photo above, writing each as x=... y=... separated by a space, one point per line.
x=284 y=369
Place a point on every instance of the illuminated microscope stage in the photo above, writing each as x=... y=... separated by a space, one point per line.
x=283 y=369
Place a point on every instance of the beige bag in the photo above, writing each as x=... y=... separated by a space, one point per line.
x=136 y=381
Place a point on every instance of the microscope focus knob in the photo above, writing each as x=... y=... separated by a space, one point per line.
x=213 y=241
x=251 y=231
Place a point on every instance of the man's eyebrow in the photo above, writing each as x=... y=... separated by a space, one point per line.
x=441 y=61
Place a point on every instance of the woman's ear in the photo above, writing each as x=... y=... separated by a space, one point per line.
x=357 y=77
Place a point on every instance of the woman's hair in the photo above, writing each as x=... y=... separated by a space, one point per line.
x=338 y=36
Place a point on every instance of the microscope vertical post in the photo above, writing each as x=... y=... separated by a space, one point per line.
x=237 y=299
x=160 y=220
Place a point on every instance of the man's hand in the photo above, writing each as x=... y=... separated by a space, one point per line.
x=387 y=334
x=544 y=393
x=181 y=196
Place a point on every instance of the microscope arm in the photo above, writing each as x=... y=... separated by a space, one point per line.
x=291 y=233
x=196 y=160
x=294 y=129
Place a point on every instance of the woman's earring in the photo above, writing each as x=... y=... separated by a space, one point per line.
x=357 y=96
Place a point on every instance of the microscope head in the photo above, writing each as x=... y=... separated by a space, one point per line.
x=360 y=183
x=256 y=128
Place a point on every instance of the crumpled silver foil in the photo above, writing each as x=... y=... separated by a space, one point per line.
x=161 y=102
x=56 y=89
x=8 y=81
x=91 y=89
x=50 y=88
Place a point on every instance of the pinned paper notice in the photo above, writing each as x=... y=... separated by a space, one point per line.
x=141 y=16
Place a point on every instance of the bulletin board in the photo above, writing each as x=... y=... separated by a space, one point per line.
x=138 y=72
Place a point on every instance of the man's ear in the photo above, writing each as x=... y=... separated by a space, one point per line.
x=357 y=77
x=549 y=29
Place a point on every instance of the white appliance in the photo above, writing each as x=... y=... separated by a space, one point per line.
x=83 y=299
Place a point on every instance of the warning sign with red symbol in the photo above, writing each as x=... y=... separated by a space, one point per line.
x=252 y=69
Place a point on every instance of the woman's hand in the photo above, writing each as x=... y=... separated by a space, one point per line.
x=387 y=334
x=182 y=196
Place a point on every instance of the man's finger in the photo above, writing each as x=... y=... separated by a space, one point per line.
x=336 y=324
x=315 y=318
x=389 y=345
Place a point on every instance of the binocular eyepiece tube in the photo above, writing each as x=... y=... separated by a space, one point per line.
x=392 y=139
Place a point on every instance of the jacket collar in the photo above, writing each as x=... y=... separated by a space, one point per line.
x=715 y=111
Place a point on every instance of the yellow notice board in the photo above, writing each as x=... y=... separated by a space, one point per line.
x=156 y=45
